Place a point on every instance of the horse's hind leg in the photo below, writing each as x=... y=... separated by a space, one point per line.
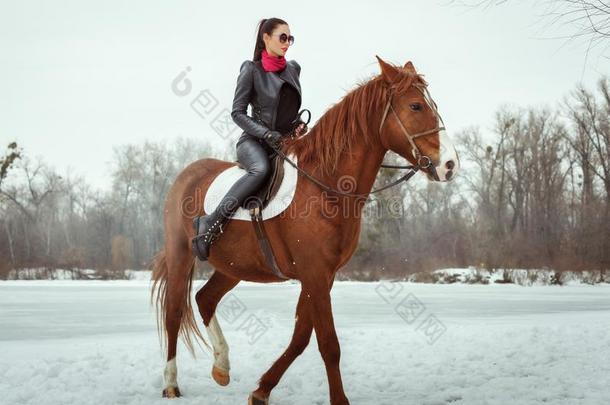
x=300 y=339
x=175 y=276
x=208 y=298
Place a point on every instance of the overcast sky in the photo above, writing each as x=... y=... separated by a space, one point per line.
x=78 y=77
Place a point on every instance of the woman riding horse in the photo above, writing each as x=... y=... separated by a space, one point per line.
x=272 y=86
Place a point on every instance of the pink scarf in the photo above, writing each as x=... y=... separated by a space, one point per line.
x=272 y=63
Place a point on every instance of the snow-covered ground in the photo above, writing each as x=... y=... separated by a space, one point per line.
x=467 y=275
x=526 y=277
x=94 y=342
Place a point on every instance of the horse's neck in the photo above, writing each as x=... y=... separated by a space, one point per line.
x=356 y=171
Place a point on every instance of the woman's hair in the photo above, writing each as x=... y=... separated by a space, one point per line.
x=265 y=26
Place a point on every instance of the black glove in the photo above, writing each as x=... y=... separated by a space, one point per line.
x=296 y=125
x=273 y=139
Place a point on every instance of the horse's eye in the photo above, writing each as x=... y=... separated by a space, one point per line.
x=415 y=106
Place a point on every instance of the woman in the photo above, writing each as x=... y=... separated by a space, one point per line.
x=272 y=86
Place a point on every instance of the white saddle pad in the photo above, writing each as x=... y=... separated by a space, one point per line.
x=223 y=182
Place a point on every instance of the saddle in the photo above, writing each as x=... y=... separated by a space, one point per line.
x=258 y=202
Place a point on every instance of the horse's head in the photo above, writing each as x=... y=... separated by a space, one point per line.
x=411 y=125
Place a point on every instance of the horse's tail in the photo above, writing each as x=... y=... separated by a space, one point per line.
x=159 y=295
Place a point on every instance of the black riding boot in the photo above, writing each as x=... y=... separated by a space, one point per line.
x=208 y=227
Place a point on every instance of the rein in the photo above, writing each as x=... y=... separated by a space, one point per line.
x=406 y=177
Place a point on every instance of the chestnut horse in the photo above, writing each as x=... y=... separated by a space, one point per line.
x=391 y=111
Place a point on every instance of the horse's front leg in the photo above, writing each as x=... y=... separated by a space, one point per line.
x=318 y=295
x=300 y=339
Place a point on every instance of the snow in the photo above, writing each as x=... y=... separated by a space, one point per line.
x=43 y=273
x=95 y=342
x=524 y=277
x=469 y=275
x=141 y=275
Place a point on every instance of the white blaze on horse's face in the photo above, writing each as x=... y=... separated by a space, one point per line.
x=448 y=161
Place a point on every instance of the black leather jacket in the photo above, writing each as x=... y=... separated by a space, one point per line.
x=261 y=89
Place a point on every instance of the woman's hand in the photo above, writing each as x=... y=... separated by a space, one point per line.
x=301 y=129
x=273 y=138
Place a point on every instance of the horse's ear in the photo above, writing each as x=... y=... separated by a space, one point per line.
x=409 y=66
x=388 y=71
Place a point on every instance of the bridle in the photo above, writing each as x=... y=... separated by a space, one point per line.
x=423 y=161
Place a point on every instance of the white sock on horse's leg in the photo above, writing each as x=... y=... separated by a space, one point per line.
x=221 y=348
x=171 y=374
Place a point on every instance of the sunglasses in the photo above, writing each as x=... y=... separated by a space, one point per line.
x=284 y=38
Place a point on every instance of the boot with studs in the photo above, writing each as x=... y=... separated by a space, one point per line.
x=208 y=229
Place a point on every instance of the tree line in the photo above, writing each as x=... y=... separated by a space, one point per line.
x=532 y=193
x=60 y=221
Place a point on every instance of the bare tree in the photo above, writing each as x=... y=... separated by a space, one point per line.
x=590 y=139
x=587 y=19
x=6 y=163
x=13 y=153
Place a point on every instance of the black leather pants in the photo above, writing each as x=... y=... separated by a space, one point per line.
x=254 y=156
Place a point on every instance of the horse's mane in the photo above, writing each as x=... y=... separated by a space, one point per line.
x=347 y=120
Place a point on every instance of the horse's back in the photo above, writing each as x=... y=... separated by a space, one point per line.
x=186 y=194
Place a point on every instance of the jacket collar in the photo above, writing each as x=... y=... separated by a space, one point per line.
x=288 y=74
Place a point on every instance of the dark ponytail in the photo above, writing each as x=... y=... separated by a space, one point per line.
x=265 y=26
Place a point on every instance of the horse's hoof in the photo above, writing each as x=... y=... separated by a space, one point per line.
x=221 y=377
x=171 y=392
x=252 y=400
